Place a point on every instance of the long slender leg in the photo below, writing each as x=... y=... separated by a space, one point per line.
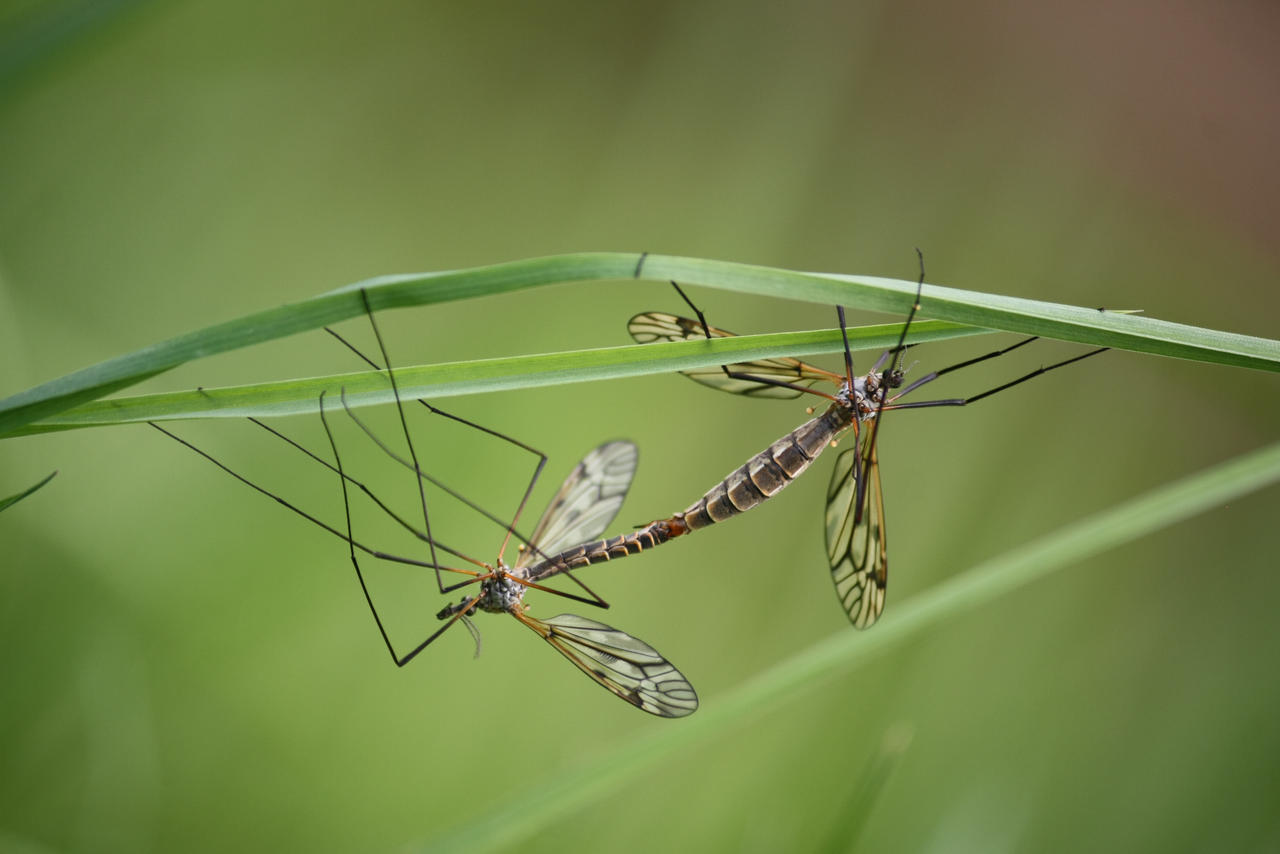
x=596 y=599
x=360 y=576
x=413 y=454
x=377 y=440
x=473 y=575
x=697 y=312
x=415 y=467
x=381 y=555
x=867 y=456
x=346 y=506
x=900 y=350
x=370 y=494
x=844 y=337
x=965 y=401
x=435 y=410
x=930 y=377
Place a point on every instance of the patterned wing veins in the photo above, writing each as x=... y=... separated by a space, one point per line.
x=659 y=326
x=625 y=665
x=588 y=500
x=856 y=546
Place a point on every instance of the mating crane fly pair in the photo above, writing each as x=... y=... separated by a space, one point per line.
x=591 y=496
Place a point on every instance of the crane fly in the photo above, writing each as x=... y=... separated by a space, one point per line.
x=582 y=509
x=586 y=503
x=854 y=517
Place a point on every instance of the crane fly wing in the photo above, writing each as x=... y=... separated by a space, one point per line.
x=587 y=501
x=856 y=540
x=625 y=665
x=659 y=326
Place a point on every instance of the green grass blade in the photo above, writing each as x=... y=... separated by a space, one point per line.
x=1069 y=323
x=366 y=388
x=556 y=797
x=6 y=503
x=1122 y=330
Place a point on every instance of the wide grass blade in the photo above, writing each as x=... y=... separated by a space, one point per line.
x=557 y=796
x=1068 y=323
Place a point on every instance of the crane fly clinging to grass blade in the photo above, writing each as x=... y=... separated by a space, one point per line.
x=585 y=505
x=857 y=552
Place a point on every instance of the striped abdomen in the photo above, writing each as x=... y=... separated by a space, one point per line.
x=762 y=477
x=655 y=534
x=768 y=472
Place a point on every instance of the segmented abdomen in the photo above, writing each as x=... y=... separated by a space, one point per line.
x=656 y=533
x=768 y=472
x=764 y=476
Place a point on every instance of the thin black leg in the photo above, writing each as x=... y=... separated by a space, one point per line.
x=867 y=451
x=965 y=401
x=381 y=555
x=413 y=454
x=435 y=410
x=400 y=661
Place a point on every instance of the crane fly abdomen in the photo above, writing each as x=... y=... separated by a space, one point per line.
x=599 y=551
x=768 y=472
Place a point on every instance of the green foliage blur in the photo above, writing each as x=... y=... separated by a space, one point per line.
x=188 y=666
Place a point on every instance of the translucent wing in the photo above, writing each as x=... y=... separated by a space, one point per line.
x=856 y=546
x=587 y=501
x=659 y=326
x=625 y=665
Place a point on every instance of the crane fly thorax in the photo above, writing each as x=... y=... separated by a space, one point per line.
x=500 y=591
x=863 y=397
x=859 y=400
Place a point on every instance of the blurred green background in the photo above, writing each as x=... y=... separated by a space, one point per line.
x=189 y=667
